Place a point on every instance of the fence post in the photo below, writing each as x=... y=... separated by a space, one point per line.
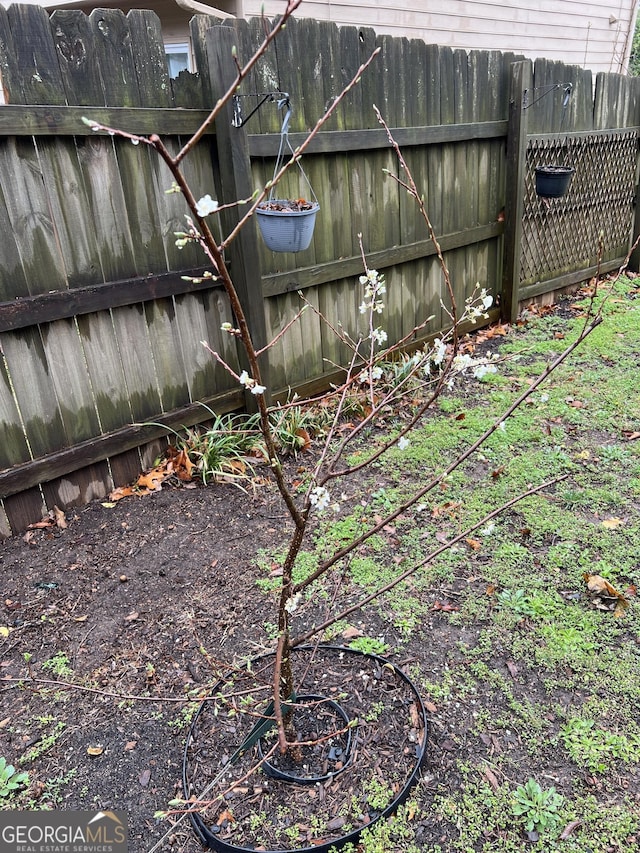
x=634 y=260
x=236 y=183
x=520 y=90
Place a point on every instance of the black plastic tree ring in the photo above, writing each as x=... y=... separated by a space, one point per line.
x=209 y=836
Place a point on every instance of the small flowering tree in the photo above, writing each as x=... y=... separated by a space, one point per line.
x=433 y=368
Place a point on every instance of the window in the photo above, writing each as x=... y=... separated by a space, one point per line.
x=178 y=58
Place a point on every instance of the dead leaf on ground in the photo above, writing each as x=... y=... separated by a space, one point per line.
x=448 y=508
x=47 y=521
x=490 y=776
x=305 y=437
x=59 y=518
x=224 y=817
x=628 y=435
x=415 y=716
x=182 y=465
x=447 y=607
x=350 y=633
x=604 y=595
x=152 y=481
x=474 y=544
x=120 y=492
x=570 y=829
x=613 y=523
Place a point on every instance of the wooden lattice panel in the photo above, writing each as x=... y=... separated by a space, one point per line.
x=561 y=235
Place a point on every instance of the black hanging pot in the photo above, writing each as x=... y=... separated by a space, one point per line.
x=553 y=181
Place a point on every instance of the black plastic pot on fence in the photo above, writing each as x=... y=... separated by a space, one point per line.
x=553 y=181
x=209 y=836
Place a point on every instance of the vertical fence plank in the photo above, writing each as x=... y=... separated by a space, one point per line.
x=34 y=390
x=74 y=42
x=36 y=55
x=108 y=243
x=521 y=76
x=13 y=443
x=236 y=183
x=24 y=508
x=70 y=380
x=126 y=72
x=22 y=183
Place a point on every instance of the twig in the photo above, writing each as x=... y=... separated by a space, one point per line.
x=121 y=697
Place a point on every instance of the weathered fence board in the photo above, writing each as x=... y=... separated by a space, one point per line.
x=100 y=321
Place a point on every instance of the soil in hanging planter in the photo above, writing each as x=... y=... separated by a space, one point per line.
x=287 y=225
x=288 y=204
x=380 y=764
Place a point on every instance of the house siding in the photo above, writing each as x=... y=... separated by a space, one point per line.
x=589 y=34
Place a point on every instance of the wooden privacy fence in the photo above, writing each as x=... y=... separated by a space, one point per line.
x=561 y=116
x=100 y=318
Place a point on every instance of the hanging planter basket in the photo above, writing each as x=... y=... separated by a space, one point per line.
x=287 y=225
x=553 y=181
x=363 y=732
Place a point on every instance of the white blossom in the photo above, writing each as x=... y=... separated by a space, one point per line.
x=374 y=287
x=292 y=603
x=206 y=205
x=462 y=361
x=319 y=498
x=250 y=383
x=486 y=299
x=439 y=351
x=379 y=336
x=483 y=368
x=403 y=442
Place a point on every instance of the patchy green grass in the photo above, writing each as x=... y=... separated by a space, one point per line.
x=534 y=680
